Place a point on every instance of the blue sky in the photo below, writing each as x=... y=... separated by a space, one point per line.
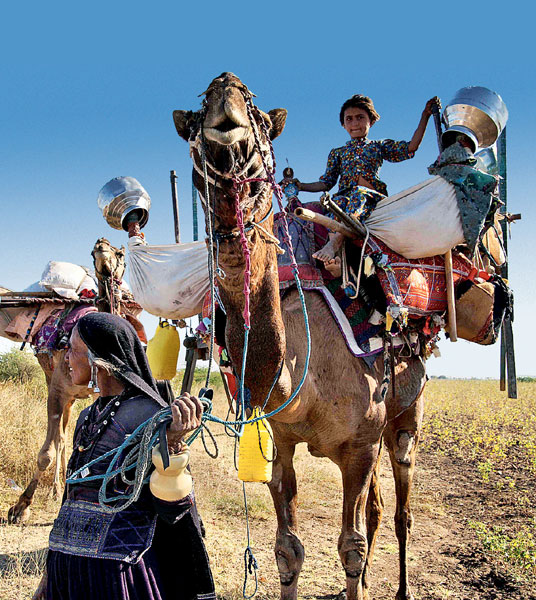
x=88 y=91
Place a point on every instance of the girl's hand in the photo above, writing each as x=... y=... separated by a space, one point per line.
x=428 y=109
x=186 y=412
x=295 y=181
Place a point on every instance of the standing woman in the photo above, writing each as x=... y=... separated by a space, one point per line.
x=152 y=550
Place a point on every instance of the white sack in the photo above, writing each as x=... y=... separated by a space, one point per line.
x=63 y=278
x=419 y=222
x=168 y=281
x=35 y=287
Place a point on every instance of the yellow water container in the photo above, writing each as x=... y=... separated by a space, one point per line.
x=254 y=464
x=173 y=483
x=163 y=351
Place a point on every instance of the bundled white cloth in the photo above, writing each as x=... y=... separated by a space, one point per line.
x=421 y=221
x=66 y=279
x=168 y=281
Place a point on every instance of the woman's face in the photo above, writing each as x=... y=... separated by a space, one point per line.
x=77 y=360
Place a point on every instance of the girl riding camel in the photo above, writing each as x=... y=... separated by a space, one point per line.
x=357 y=165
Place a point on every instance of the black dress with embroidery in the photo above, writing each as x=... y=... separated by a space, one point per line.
x=153 y=550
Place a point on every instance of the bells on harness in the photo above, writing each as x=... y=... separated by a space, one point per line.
x=256 y=451
x=163 y=351
x=173 y=483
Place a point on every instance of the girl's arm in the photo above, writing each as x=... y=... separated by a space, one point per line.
x=421 y=127
x=316 y=186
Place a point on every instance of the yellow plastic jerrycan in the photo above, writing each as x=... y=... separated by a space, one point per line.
x=173 y=483
x=163 y=351
x=254 y=464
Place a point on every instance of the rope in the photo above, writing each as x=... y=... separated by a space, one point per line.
x=250 y=562
x=208 y=224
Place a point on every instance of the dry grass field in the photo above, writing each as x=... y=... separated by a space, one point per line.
x=474 y=502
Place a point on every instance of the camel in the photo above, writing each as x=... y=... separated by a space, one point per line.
x=109 y=265
x=62 y=393
x=338 y=412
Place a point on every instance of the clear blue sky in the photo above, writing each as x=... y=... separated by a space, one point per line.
x=87 y=92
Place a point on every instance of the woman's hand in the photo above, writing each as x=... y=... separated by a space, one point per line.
x=41 y=591
x=186 y=412
x=429 y=108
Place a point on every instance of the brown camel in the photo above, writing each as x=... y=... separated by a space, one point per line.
x=338 y=411
x=109 y=263
x=61 y=391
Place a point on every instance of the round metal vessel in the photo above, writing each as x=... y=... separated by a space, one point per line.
x=478 y=110
x=121 y=196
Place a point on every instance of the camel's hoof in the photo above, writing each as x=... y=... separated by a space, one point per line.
x=407 y=595
x=17 y=514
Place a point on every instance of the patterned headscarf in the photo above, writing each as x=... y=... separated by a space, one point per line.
x=112 y=338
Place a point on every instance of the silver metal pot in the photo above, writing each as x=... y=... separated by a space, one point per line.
x=120 y=197
x=477 y=112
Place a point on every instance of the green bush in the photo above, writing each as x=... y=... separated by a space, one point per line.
x=21 y=367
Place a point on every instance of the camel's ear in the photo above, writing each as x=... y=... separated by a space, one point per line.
x=184 y=122
x=121 y=252
x=278 y=117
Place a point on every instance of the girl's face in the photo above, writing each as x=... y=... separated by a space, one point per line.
x=356 y=122
x=77 y=360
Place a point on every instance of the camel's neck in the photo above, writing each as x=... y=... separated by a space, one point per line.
x=266 y=347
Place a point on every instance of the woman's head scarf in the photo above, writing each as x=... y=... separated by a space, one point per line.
x=112 y=338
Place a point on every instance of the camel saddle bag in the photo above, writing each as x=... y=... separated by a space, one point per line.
x=481 y=307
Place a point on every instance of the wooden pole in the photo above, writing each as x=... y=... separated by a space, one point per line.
x=308 y=215
x=451 y=300
x=175 y=200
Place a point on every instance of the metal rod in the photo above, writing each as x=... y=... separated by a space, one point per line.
x=510 y=358
x=438 y=127
x=502 y=380
x=194 y=213
x=356 y=226
x=188 y=377
x=507 y=333
x=175 y=200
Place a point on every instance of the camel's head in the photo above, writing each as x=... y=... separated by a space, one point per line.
x=108 y=260
x=234 y=136
x=224 y=118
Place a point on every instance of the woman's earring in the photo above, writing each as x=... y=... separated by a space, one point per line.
x=94 y=383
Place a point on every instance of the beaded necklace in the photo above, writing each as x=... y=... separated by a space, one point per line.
x=94 y=424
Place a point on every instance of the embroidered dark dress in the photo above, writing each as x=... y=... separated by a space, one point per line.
x=152 y=551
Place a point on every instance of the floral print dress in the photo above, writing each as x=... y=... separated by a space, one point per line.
x=361 y=157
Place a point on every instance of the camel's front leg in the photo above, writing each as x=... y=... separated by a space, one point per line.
x=289 y=551
x=20 y=511
x=61 y=454
x=356 y=469
x=401 y=437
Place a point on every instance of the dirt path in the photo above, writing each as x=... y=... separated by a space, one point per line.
x=446 y=559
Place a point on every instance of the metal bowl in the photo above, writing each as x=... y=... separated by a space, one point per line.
x=480 y=110
x=121 y=196
x=487 y=161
